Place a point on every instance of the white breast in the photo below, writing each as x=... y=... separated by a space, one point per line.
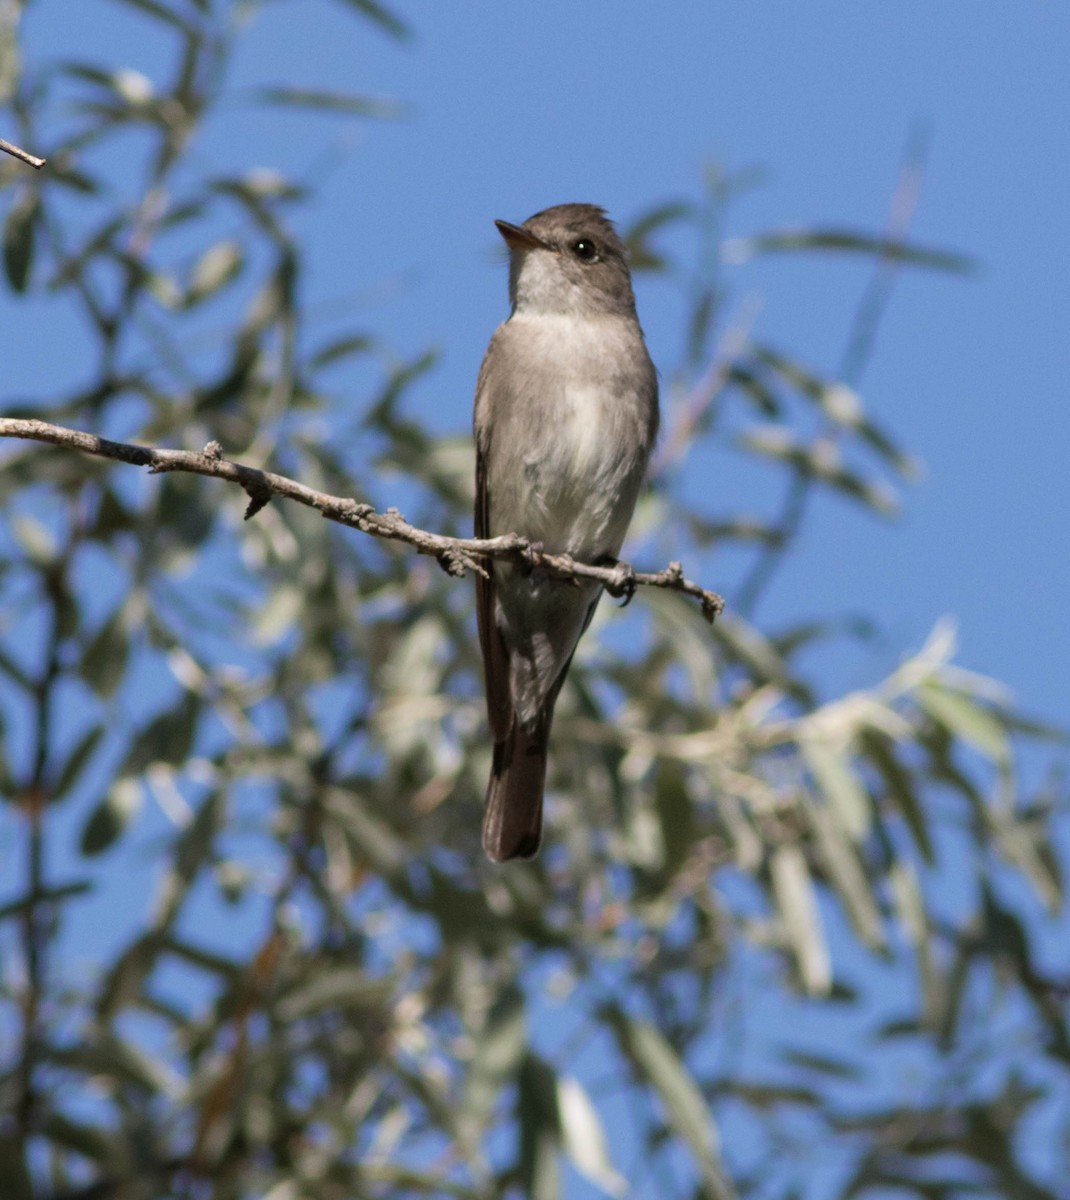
x=579 y=491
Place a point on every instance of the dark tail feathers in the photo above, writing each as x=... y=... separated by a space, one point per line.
x=512 y=819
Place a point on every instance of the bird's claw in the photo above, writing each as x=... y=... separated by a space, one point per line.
x=533 y=553
x=624 y=583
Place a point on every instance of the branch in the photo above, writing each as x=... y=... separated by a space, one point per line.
x=22 y=155
x=455 y=555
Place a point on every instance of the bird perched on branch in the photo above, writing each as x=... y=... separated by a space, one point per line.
x=566 y=413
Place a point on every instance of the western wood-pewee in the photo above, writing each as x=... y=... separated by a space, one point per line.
x=566 y=413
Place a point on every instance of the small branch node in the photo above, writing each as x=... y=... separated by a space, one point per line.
x=213 y=451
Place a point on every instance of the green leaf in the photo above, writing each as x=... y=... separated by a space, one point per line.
x=740 y=249
x=841 y=863
x=324 y=101
x=499 y=1050
x=965 y=716
x=833 y=1068
x=19 y=240
x=105 y=657
x=901 y=789
x=77 y=760
x=342 y=989
x=218 y=266
x=658 y=1064
x=585 y=1139
x=168 y=738
x=161 y=12
x=818 y=460
x=91 y=1141
x=755 y=388
x=641 y=255
x=388 y=21
x=797 y=904
x=836 y=780
x=840 y=404
x=108 y=820
x=540 y=1129
x=339 y=348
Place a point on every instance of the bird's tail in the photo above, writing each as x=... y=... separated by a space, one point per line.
x=512 y=818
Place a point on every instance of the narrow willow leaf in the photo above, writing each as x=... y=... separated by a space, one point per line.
x=840 y=403
x=908 y=901
x=966 y=717
x=168 y=738
x=162 y=12
x=839 y=858
x=339 y=102
x=77 y=760
x=902 y=789
x=499 y=1049
x=341 y=989
x=755 y=388
x=658 y=1064
x=105 y=657
x=585 y=1139
x=1018 y=842
x=108 y=820
x=111 y=1057
x=339 y=348
x=371 y=835
x=824 y=1064
x=218 y=266
x=740 y=249
x=35 y=539
x=540 y=1129
x=92 y=1141
x=819 y=460
x=19 y=240
x=383 y=17
x=130 y=86
x=801 y=916
x=641 y=255
x=837 y=781
x=745 y=644
x=14 y=1170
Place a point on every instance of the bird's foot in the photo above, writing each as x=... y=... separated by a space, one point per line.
x=533 y=553
x=623 y=584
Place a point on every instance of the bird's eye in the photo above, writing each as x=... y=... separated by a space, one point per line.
x=585 y=249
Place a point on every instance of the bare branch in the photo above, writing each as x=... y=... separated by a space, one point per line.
x=455 y=555
x=22 y=155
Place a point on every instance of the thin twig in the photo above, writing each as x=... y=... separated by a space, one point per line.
x=22 y=155
x=455 y=555
x=700 y=399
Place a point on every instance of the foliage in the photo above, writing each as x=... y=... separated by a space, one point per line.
x=774 y=933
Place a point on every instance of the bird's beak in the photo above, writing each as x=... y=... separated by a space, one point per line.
x=518 y=238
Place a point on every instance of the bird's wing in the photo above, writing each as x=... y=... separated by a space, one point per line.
x=495 y=655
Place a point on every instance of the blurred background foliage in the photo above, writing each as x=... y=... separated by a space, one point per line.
x=781 y=941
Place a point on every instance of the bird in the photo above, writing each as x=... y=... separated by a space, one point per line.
x=565 y=418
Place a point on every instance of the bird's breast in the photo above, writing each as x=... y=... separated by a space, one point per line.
x=583 y=405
